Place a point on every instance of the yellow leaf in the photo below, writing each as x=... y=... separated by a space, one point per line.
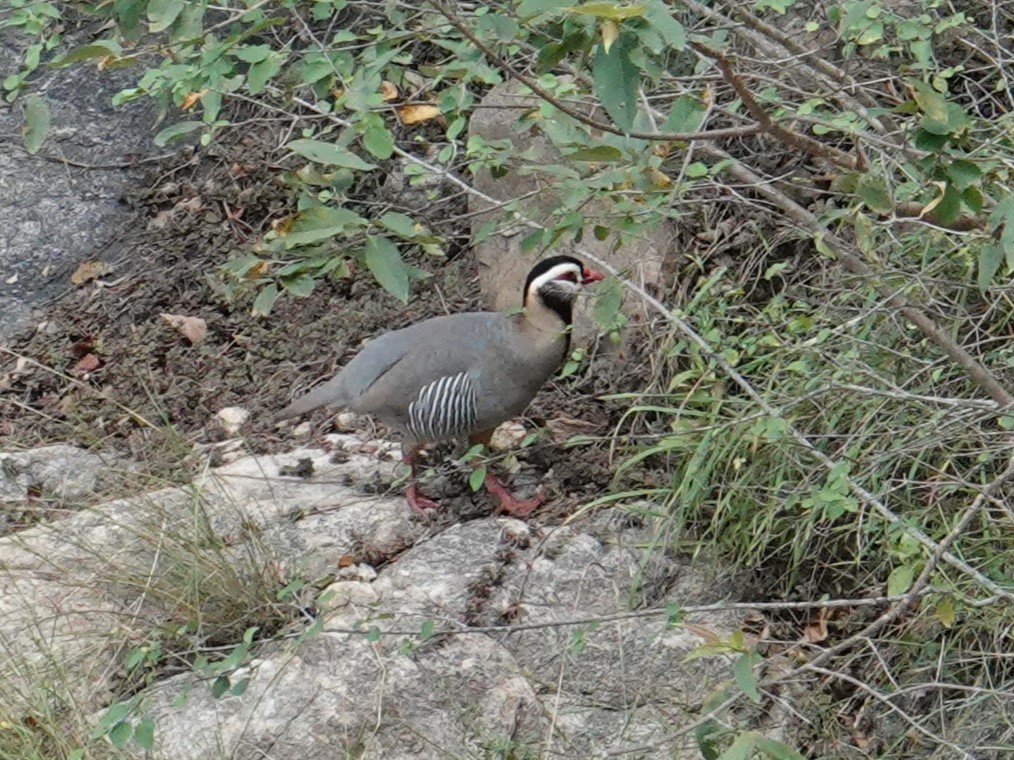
x=417 y=114
x=609 y=10
x=388 y=91
x=660 y=179
x=610 y=31
x=191 y=98
x=942 y=187
x=945 y=612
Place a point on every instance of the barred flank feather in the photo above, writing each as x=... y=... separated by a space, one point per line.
x=446 y=408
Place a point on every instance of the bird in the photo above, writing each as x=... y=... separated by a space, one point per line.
x=459 y=375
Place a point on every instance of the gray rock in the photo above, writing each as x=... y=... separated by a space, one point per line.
x=60 y=471
x=441 y=673
x=63 y=205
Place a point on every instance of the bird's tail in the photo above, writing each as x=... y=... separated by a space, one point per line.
x=330 y=393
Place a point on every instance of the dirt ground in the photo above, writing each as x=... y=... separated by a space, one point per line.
x=104 y=370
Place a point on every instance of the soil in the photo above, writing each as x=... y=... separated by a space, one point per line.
x=106 y=371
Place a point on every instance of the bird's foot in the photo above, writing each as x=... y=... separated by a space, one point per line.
x=509 y=505
x=419 y=503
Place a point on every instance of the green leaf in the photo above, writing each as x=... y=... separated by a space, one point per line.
x=900 y=580
x=379 y=141
x=320 y=223
x=328 y=153
x=598 y=153
x=746 y=679
x=963 y=174
x=264 y=301
x=659 y=15
x=872 y=189
x=239 y=688
x=261 y=73
x=697 y=169
x=609 y=298
x=220 y=686
x=616 y=81
x=426 y=630
x=778 y=6
x=400 y=224
x=611 y=11
x=77 y=754
x=120 y=733
x=300 y=287
x=940 y=117
x=37 y=123
x=990 y=258
x=949 y=207
x=742 y=748
x=1001 y=220
x=477 y=478
x=176 y=131
x=162 y=13
x=384 y=260
x=777 y=750
x=686 y=115
x=928 y=141
x=373 y=634
x=973 y=199
x=97 y=49
x=144 y=733
x=529 y=8
x=252 y=53
x=705 y=734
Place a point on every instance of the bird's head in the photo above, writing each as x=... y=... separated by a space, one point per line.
x=556 y=281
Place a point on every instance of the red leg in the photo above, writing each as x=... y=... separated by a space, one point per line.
x=508 y=504
x=418 y=502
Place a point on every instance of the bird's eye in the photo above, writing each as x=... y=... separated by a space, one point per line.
x=568 y=276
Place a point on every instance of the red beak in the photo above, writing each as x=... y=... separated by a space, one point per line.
x=590 y=275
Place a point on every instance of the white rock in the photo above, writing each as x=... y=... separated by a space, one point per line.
x=231 y=418
x=507 y=436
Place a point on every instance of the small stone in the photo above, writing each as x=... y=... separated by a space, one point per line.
x=507 y=436
x=345 y=422
x=231 y=418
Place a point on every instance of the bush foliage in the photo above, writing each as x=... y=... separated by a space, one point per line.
x=831 y=404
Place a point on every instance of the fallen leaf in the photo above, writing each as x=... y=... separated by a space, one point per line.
x=388 y=90
x=283 y=225
x=346 y=560
x=562 y=429
x=194 y=204
x=88 y=363
x=816 y=630
x=417 y=114
x=88 y=270
x=21 y=367
x=191 y=98
x=193 y=329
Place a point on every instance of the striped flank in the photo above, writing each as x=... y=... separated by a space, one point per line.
x=446 y=408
